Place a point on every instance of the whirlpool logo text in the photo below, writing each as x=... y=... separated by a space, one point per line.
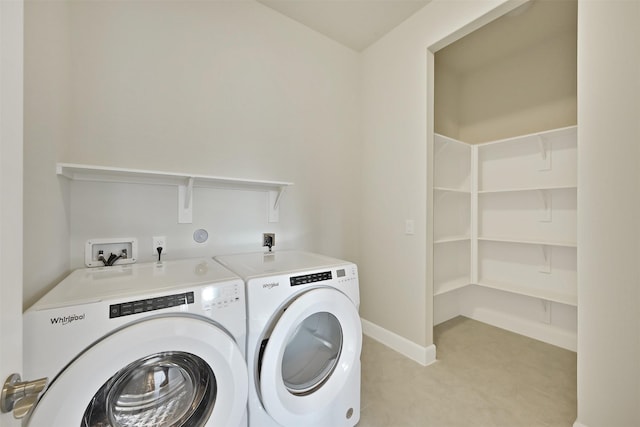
x=62 y=321
x=270 y=285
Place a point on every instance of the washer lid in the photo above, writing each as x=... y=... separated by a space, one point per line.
x=157 y=345
x=311 y=354
x=258 y=264
x=97 y=284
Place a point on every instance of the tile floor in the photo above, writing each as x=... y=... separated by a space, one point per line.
x=484 y=376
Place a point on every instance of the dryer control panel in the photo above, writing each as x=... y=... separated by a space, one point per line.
x=310 y=278
x=340 y=275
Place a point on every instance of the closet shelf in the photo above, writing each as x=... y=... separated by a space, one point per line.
x=450 y=285
x=184 y=181
x=553 y=132
x=452 y=190
x=528 y=241
x=568 y=299
x=506 y=192
x=445 y=141
x=452 y=239
x=513 y=190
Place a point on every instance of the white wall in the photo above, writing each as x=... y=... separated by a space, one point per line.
x=395 y=293
x=530 y=91
x=513 y=77
x=11 y=145
x=446 y=100
x=218 y=88
x=46 y=131
x=609 y=206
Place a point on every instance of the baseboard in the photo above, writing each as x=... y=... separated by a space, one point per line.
x=541 y=332
x=577 y=424
x=422 y=355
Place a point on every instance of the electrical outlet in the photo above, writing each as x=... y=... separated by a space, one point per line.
x=159 y=242
x=268 y=239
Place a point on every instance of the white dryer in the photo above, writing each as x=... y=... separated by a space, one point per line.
x=304 y=338
x=156 y=344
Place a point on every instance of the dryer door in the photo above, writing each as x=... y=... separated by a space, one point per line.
x=161 y=372
x=311 y=353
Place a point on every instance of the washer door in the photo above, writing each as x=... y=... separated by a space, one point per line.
x=166 y=371
x=311 y=353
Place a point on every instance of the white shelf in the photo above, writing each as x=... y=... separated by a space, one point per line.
x=519 y=236
x=527 y=241
x=450 y=285
x=139 y=176
x=452 y=190
x=553 y=132
x=513 y=190
x=184 y=181
x=452 y=239
x=568 y=299
x=540 y=160
x=444 y=141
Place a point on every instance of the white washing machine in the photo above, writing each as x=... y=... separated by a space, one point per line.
x=304 y=338
x=156 y=344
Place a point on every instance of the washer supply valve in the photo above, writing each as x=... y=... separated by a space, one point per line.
x=112 y=257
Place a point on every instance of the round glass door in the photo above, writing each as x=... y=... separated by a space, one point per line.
x=155 y=372
x=171 y=389
x=311 y=354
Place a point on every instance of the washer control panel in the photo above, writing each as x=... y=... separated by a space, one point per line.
x=220 y=297
x=150 y=304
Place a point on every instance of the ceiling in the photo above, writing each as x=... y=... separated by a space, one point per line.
x=353 y=23
x=359 y=23
x=525 y=26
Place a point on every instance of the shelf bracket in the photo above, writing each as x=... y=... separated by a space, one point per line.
x=185 y=202
x=545 y=154
x=545 y=266
x=442 y=147
x=274 y=203
x=545 y=314
x=545 y=199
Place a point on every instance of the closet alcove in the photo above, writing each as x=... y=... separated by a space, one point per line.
x=503 y=197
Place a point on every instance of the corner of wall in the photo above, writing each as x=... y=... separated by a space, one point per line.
x=422 y=355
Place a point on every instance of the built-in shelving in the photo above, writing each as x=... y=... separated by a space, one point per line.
x=505 y=215
x=535 y=161
x=451 y=215
x=515 y=190
x=528 y=241
x=452 y=239
x=452 y=190
x=184 y=181
x=451 y=285
x=568 y=299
